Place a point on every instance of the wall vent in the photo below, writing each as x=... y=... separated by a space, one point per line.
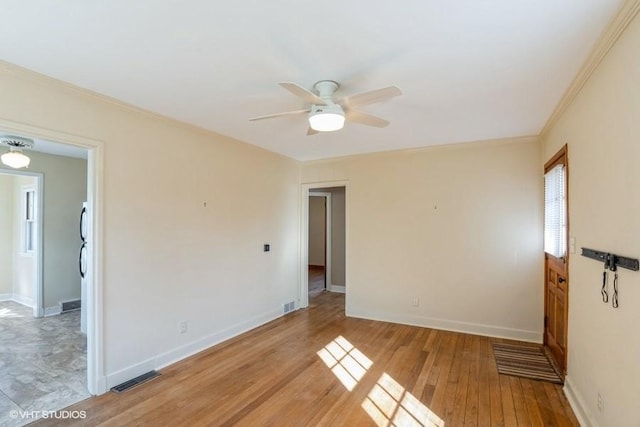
x=128 y=385
x=66 y=306
x=289 y=306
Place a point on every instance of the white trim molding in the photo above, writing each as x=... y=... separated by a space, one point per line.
x=609 y=37
x=38 y=279
x=21 y=299
x=303 y=290
x=338 y=288
x=175 y=355
x=577 y=403
x=52 y=311
x=447 y=325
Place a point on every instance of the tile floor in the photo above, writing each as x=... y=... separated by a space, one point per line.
x=43 y=362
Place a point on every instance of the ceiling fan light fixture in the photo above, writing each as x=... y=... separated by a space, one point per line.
x=326 y=118
x=15 y=158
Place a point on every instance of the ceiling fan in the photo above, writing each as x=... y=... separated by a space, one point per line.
x=327 y=114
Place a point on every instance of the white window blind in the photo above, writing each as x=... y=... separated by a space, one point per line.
x=28 y=221
x=555 y=213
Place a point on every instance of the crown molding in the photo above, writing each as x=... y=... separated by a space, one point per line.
x=483 y=143
x=70 y=89
x=609 y=37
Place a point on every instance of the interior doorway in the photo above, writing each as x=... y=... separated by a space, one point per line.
x=21 y=248
x=324 y=240
x=46 y=368
x=95 y=379
x=319 y=243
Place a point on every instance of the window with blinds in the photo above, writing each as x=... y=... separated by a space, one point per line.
x=28 y=221
x=555 y=212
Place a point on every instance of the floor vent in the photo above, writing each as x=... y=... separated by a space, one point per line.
x=289 y=307
x=128 y=385
x=69 y=306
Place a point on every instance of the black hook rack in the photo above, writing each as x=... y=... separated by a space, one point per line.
x=612 y=261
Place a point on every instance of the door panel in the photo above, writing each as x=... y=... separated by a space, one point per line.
x=556 y=303
x=556 y=286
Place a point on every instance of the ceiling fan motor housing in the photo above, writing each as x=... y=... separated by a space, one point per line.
x=326 y=109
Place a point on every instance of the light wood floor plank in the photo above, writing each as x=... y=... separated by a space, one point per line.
x=508 y=402
x=476 y=405
x=519 y=403
x=531 y=401
x=495 y=395
x=274 y=376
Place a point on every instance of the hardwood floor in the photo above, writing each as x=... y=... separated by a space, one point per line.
x=316 y=280
x=317 y=367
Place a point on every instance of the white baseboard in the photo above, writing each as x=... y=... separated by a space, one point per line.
x=6 y=297
x=52 y=311
x=337 y=288
x=101 y=386
x=21 y=299
x=172 y=356
x=448 y=325
x=577 y=404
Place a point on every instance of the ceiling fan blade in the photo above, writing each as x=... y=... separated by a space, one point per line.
x=312 y=131
x=303 y=93
x=371 y=97
x=366 y=119
x=288 y=113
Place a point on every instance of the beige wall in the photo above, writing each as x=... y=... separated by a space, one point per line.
x=602 y=130
x=317 y=219
x=337 y=236
x=460 y=228
x=24 y=265
x=6 y=235
x=168 y=257
x=65 y=188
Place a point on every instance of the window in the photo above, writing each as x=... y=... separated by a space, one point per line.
x=28 y=223
x=555 y=215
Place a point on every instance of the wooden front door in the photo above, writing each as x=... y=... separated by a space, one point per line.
x=556 y=287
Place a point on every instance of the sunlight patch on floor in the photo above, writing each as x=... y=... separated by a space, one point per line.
x=389 y=404
x=7 y=312
x=346 y=362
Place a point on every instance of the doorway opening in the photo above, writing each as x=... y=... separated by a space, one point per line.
x=319 y=244
x=21 y=218
x=61 y=145
x=41 y=287
x=324 y=240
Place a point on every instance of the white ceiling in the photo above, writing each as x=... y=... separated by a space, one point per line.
x=66 y=150
x=469 y=69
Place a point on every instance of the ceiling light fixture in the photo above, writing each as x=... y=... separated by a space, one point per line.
x=15 y=158
x=326 y=118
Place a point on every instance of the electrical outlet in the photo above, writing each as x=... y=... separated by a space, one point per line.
x=415 y=302
x=183 y=326
x=600 y=403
